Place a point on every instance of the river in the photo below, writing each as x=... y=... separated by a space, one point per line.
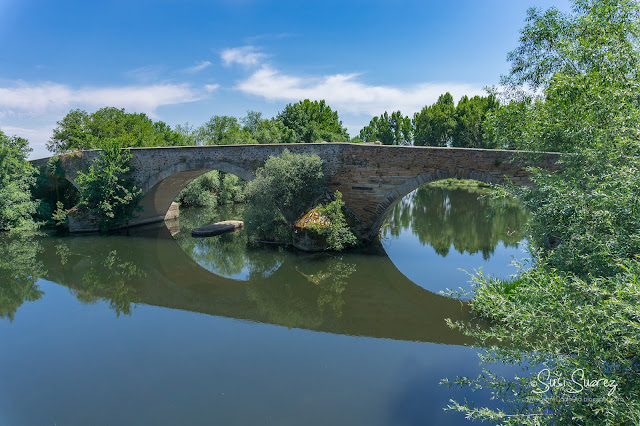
x=152 y=326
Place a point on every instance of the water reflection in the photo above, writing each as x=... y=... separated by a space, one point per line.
x=359 y=294
x=19 y=272
x=458 y=219
x=229 y=255
x=437 y=237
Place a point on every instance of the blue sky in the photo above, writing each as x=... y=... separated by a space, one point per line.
x=185 y=60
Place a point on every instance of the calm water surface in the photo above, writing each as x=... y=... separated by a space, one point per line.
x=156 y=327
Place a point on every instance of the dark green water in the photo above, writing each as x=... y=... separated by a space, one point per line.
x=146 y=328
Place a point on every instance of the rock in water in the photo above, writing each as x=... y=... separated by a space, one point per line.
x=218 y=228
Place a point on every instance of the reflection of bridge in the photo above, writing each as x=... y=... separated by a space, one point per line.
x=376 y=301
x=372 y=178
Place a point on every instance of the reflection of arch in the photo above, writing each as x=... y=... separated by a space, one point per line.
x=163 y=187
x=399 y=192
x=395 y=309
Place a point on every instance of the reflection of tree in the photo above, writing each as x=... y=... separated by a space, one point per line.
x=19 y=271
x=455 y=217
x=332 y=281
x=105 y=273
x=227 y=255
x=312 y=294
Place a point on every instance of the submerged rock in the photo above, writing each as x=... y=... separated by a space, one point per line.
x=218 y=228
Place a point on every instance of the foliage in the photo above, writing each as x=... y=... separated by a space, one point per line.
x=51 y=188
x=19 y=272
x=79 y=130
x=470 y=116
x=222 y=130
x=559 y=326
x=17 y=176
x=212 y=188
x=587 y=218
x=269 y=130
x=107 y=190
x=586 y=66
x=335 y=228
x=435 y=124
x=313 y=121
x=284 y=188
x=394 y=129
x=187 y=133
x=576 y=310
x=60 y=215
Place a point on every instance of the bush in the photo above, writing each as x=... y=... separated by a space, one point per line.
x=17 y=176
x=559 y=326
x=283 y=190
x=107 y=190
x=334 y=228
x=201 y=191
x=212 y=188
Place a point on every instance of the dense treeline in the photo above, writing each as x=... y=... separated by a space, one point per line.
x=440 y=124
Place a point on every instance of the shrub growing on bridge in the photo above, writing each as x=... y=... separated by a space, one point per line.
x=107 y=190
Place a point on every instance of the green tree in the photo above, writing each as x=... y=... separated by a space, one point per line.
x=576 y=309
x=586 y=65
x=435 y=124
x=79 y=130
x=265 y=130
x=284 y=188
x=313 y=121
x=470 y=116
x=107 y=189
x=222 y=130
x=394 y=129
x=17 y=176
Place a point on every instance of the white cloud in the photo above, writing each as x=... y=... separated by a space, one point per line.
x=33 y=99
x=246 y=55
x=347 y=93
x=211 y=87
x=199 y=67
x=37 y=138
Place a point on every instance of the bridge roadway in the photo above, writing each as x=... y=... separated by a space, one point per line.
x=372 y=178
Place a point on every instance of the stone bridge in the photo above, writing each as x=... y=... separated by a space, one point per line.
x=372 y=178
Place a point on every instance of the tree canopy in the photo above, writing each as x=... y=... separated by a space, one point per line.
x=394 y=129
x=17 y=176
x=80 y=130
x=313 y=121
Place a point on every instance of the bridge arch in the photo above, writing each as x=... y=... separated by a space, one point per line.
x=394 y=196
x=161 y=188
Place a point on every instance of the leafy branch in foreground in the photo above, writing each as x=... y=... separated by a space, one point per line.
x=579 y=339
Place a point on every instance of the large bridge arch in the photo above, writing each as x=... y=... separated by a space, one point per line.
x=161 y=188
x=394 y=196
